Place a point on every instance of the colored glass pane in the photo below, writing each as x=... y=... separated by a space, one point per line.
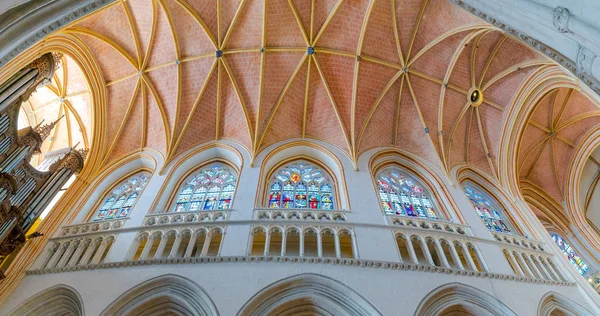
x=210 y=188
x=570 y=253
x=120 y=201
x=301 y=185
x=401 y=195
x=488 y=210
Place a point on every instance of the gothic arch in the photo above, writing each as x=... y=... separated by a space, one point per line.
x=307 y=293
x=554 y=304
x=57 y=300
x=426 y=175
x=467 y=174
x=462 y=296
x=307 y=151
x=165 y=294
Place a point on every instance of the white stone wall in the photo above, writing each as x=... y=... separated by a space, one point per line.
x=230 y=284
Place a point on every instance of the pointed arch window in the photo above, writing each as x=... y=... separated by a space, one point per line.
x=490 y=212
x=400 y=194
x=211 y=188
x=301 y=184
x=119 y=202
x=570 y=253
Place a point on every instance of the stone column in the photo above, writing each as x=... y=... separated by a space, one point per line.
x=67 y=255
x=441 y=254
x=176 y=244
x=524 y=265
x=411 y=251
x=338 y=252
x=75 y=258
x=100 y=252
x=426 y=252
x=267 y=242
x=283 y=241
x=206 y=244
x=455 y=256
x=88 y=253
x=161 y=246
x=190 y=245
x=543 y=269
x=301 y=250
x=535 y=268
x=147 y=247
x=467 y=256
x=354 y=247
x=550 y=270
x=515 y=264
x=57 y=255
x=52 y=249
x=319 y=245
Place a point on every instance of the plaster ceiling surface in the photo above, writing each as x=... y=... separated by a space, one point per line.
x=383 y=73
x=65 y=100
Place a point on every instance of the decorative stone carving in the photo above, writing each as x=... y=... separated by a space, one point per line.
x=555 y=55
x=561 y=19
x=313 y=260
x=585 y=59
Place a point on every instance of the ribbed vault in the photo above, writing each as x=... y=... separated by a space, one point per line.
x=65 y=100
x=355 y=74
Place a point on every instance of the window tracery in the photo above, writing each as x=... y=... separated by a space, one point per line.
x=301 y=185
x=210 y=188
x=488 y=210
x=119 y=202
x=572 y=256
x=400 y=194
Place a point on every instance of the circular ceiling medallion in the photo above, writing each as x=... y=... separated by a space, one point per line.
x=475 y=97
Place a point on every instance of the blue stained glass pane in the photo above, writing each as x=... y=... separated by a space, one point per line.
x=109 y=202
x=491 y=215
x=195 y=206
x=122 y=198
x=571 y=255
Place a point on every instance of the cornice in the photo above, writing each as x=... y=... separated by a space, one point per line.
x=584 y=56
x=373 y=264
x=39 y=19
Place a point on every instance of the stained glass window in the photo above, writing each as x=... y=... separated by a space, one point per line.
x=120 y=201
x=572 y=256
x=488 y=210
x=211 y=188
x=301 y=185
x=401 y=195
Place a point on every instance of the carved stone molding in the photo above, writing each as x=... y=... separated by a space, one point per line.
x=315 y=260
x=585 y=59
x=561 y=19
x=43 y=20
x=562 y=60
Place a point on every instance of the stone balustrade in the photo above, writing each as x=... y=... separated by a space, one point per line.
x=428 y=224
x=299 y=214
x=518 y=241
x=92 y=227
x=186 y=217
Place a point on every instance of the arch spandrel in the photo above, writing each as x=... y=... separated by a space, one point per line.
x=56 y=300
x=461 y=295
x=167 y=292
x=307 y=292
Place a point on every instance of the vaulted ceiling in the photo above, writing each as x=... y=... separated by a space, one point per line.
x=559 y=122
x=383 y=73
x=65 y=100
